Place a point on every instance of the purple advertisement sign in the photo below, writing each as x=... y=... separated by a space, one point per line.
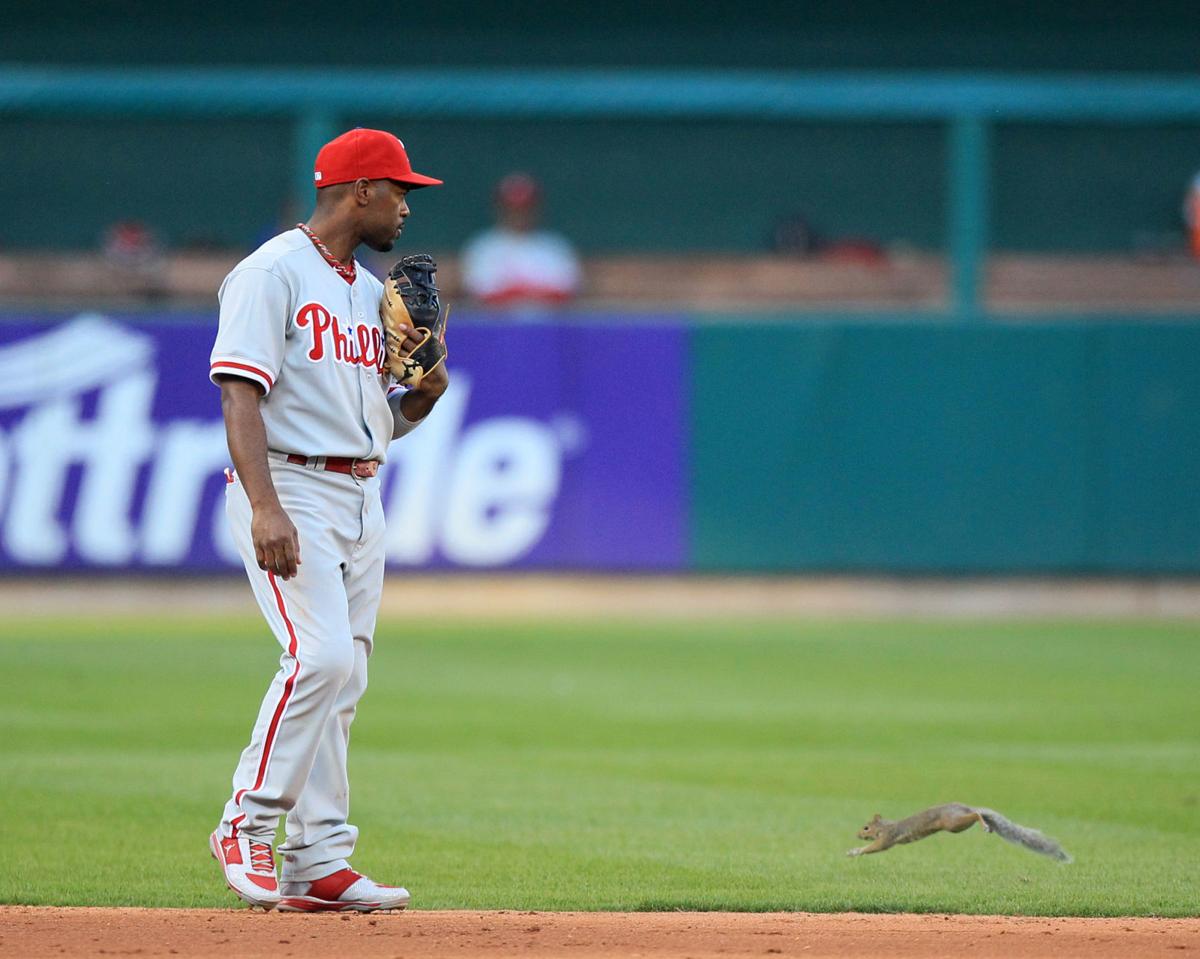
x=552 y=449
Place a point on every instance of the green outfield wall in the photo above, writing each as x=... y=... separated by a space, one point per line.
x=211 y=171
x=930 y=448
x=611 y=184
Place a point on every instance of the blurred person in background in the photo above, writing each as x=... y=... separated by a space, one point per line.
x=1191 y=215
x=794 y=236
x=135 y=255
x=515 y=263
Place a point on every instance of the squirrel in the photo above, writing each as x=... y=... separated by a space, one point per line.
x=952 y=817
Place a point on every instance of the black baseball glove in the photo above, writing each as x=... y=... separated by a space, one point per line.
x=410 y=297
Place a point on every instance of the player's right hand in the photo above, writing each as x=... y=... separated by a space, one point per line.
x=276 y=542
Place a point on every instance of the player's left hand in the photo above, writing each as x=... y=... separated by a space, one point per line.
x=406 y=339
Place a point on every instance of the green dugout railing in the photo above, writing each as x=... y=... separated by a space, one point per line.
x=967 y=103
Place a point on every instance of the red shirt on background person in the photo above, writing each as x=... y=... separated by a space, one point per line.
x=515 y=263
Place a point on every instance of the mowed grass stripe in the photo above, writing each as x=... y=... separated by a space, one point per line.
x=617 y=766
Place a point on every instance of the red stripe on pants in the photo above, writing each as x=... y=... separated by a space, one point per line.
x=283 y=700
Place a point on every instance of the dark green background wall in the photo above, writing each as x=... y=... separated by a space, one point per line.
x=868 y=34
x=617 y=185
x=927 y=448
x=217 y=181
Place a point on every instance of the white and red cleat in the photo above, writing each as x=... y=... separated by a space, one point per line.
x=249 y=868
x=342 y=891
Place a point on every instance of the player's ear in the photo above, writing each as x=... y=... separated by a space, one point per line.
x=363 y=191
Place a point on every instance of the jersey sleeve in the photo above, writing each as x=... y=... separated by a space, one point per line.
x=252 y=327
x=401 y=424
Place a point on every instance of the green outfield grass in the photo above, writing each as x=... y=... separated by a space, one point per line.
x=621 y=766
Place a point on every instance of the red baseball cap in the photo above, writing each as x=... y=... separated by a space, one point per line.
x=373 y=154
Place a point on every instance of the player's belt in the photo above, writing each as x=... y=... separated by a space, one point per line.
x=363 y=469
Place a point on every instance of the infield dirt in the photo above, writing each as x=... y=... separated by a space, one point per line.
x=539 y=596
x=32 y=932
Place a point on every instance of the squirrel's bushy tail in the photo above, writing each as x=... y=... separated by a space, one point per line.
x=1023 y=835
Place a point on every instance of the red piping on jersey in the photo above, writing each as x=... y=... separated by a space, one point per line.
x=245 y=367
x=288 y=686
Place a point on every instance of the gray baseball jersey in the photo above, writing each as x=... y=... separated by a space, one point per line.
x=314 y=343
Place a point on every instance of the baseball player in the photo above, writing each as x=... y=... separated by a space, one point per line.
x=302 y=361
